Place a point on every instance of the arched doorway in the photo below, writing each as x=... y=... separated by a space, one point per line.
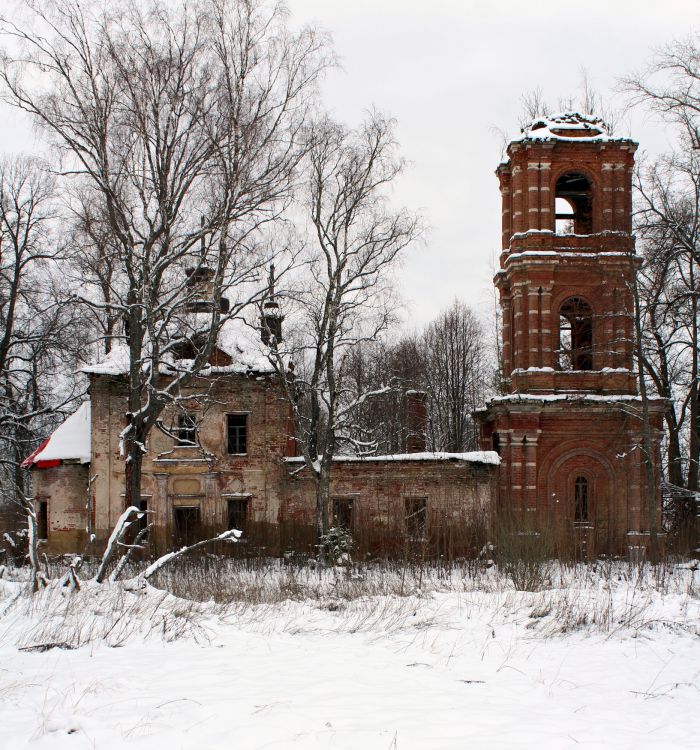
x=579 y=483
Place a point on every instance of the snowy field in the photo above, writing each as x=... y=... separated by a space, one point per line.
x=599 y=658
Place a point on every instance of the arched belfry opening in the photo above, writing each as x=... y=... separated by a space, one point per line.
x=573 y=204
x=575 y=335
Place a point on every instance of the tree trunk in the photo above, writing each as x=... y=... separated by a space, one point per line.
x=647 y=442
x=323 y=487
x=132 y=474
x=694 y=448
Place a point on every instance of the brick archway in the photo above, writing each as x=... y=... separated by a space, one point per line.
x=558 y=478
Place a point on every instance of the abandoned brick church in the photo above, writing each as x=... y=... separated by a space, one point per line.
x=562 y=445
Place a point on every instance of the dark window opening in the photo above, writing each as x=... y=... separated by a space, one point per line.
x=496 y=443
x=416 y=517
x=238 y=514
x=343 y=513
x=184 y=350
x=575 y=335
x=187 y=527
x=42 y=519
x=573 y=204
x=581 y=500
x=186 y=429
x=237 y=433
x=142 y=522
x=188 y=347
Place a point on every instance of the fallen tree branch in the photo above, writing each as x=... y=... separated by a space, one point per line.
x=232 y=535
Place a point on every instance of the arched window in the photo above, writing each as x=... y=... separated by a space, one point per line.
x=575 y=335
x=573 y=204
x=581 y=498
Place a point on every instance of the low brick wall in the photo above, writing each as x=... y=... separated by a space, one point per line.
x=458 y=497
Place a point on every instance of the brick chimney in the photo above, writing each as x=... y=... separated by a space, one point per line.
x=416 y=419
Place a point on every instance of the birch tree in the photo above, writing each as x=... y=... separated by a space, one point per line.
x=354 y=242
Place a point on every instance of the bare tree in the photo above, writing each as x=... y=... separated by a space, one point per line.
x=166 y=114
x=380 y=423
x=670 y=86
x=667 y=222
x=449 y=361
x=456 y=369
x=354 y=242
x=38 y=335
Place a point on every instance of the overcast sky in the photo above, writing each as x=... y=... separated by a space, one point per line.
x=450 y=72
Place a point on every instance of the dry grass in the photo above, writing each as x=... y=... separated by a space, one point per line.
x=189 y=598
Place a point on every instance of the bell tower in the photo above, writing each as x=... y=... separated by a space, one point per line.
x=569 y=426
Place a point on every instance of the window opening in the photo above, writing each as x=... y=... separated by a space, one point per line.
x=564 y=216
x=142 y=522
x=581 y=500
x=575 y=335
x=237 y=433
x=186 y=429
x=343 y=513
x=238 y=514
x=496 y=443
x=416 y=517
x=573 y=204
x=187 y=526
x=42 y=519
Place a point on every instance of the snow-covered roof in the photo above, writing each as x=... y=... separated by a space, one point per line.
x=483 y=457
x=69 y=442
x=567 y=126
x=114 y=363
x=240 y=340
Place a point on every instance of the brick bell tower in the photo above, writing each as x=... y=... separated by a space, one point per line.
x=569 y=427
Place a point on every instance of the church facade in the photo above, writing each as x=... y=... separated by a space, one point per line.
x=562 y=445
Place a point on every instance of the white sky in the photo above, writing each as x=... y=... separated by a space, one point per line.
x=450 y=71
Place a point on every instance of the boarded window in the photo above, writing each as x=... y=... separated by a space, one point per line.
x=186 y=429
x=237 y=433
x=343 y=512
x=416 y=517
x=187 y=526
x=42 y=519
x=581 y=500
x=238 y=514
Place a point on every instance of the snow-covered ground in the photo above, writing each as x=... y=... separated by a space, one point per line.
x=593 y=661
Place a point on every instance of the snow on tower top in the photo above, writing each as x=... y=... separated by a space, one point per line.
x=567 y=126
